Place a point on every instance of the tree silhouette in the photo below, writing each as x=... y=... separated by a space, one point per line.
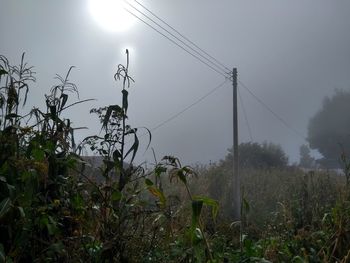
x=329 y=129
x=259 y=156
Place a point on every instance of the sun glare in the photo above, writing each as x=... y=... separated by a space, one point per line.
x=111 y=15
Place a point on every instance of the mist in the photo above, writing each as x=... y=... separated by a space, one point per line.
x=289 y=54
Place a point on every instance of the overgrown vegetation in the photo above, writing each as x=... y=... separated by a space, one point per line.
x=53 y=209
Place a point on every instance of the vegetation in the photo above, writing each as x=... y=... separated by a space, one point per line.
x=54 y=209
x=258 y=156
x=328 y=129
x=287 y=215
x=51 y=210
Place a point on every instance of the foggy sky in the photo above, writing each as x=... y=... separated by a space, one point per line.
x=291 y=54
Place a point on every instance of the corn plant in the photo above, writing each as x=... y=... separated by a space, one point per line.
x=116 y=193
x=34 y=168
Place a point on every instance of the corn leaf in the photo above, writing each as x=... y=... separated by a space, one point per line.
x=196 y=212
x=133 y=148
x=209 y=202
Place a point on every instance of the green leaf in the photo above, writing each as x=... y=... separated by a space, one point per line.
x=157 y=193
x=148 y=182
x=77 y=201
x=5 y=206
x=116 y=195
x=133 y=148
x=181 y=175
x=197 y=238
x=159 y=170
x=43 y=221
x=209 y=202
x=38 y=154
x=196 y=212
x=149 y=137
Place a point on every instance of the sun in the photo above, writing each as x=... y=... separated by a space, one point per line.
x=111 y=15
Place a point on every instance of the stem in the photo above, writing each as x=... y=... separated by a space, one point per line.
x=200 y=225
x=122 y=179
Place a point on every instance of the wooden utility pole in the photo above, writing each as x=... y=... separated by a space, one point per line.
x=236 y=179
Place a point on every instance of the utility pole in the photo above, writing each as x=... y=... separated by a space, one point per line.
x=236 y=179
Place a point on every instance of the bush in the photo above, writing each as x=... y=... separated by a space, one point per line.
x=258 y=156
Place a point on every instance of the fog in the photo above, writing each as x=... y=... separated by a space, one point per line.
x=290 y=54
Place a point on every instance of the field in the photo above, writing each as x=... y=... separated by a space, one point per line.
x=54 y=207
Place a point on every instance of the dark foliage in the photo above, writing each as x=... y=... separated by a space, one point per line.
x=259 y=156
x=328 y=130
x=51 y=210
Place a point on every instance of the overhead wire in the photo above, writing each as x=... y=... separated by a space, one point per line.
x=277 y=116
x=180 y=34
x=245 y=116
x=214 y=67
x=190 y=106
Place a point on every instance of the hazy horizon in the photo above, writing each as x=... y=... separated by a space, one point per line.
x=289 y=54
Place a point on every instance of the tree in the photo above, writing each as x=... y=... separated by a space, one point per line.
x=329 y=129
x=259 y=156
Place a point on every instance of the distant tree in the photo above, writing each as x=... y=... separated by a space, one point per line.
x=259 y=156
x=306 y=161
x=329 y=129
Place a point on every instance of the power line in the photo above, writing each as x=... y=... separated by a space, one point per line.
x=219 y=71
x=172 y=40
x=245 y=116
x=190 y=106
x=271 y=111
x=183 y=36
x=177 y=38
